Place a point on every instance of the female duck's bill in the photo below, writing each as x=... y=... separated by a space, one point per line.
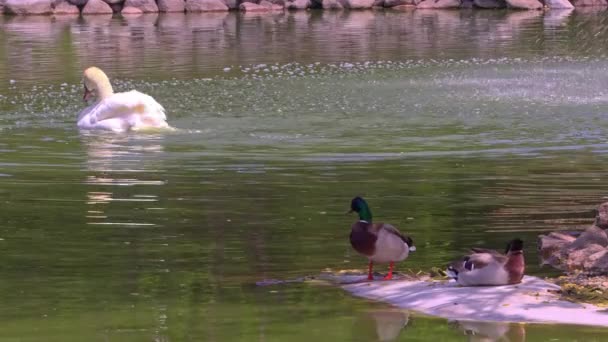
x=117 y=112
x=379 y=242
x=489 y=267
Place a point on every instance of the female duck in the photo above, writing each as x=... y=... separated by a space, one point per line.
x=489 y=267
x=379 y=242
x=117 y=112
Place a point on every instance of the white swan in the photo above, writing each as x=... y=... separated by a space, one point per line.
x=118 y=112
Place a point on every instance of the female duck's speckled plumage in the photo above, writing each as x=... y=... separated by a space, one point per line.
x=379 y=242
x=489 y=267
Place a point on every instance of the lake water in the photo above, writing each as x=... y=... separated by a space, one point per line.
x=462 y=128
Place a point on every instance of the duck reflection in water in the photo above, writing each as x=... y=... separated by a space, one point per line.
x=389 y=323
x=491 y=331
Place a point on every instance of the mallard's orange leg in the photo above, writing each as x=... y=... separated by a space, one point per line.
x=369 y=272
x=389 y=276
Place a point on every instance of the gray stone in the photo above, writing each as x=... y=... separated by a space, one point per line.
x=560 y=4
x=206 y=6
x=490 y=3
x=64 y=7
x=28 y=7
x=329 y=4
x=298 y=4
x=597 y=262
x=171 y=5
x=97 y=7
x=146 y=6
x=524 y=4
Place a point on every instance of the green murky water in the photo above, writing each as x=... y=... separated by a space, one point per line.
x=462 y=128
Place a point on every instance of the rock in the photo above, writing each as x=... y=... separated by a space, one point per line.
x=232 y=4
x=524 y=4
x=585 y=3
x=357 y=4
x=378 y=3
x=128 y=10
x=205 y=6
x=601 y=219
x=426 y=4
x=264 y=6
x=97 y=7
x=576 y=259
x=28 y=7
x=559 y=4
x=597 y=262
x=146 y=6
x=298 y=4
x=592 y=235
x=64 y=7
x=78 y=2
x=394 y=3
x=328 y=4
x=171 y=5
x=490 y=3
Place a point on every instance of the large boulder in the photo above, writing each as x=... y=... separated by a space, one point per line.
x=171 y=5
x=206 y=6
x=97 y=7
x=524 y=4
x=298 y=4
x=146 y=6
x=28 y=7
x=597 y=262
x=64 y=7
x=438 y=4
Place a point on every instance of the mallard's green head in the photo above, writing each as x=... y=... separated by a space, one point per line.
x=359 y=206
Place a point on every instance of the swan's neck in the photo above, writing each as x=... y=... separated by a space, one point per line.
x=104 y=90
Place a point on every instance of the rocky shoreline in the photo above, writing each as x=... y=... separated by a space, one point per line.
x=134 y=7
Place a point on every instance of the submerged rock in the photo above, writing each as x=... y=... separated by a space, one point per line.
x=97 y=7
x=171 y=5
x=358 y=4
x=206 y=6
x=264 y=6
x=28 y=7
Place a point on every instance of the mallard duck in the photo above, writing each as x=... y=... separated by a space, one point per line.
x=117 y=112
x=489 y=267
x=379 y=242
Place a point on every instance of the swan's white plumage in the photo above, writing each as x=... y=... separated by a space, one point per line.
x=118 y=111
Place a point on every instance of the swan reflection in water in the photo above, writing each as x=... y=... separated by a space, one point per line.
x=491 y=331
x=115 y=161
